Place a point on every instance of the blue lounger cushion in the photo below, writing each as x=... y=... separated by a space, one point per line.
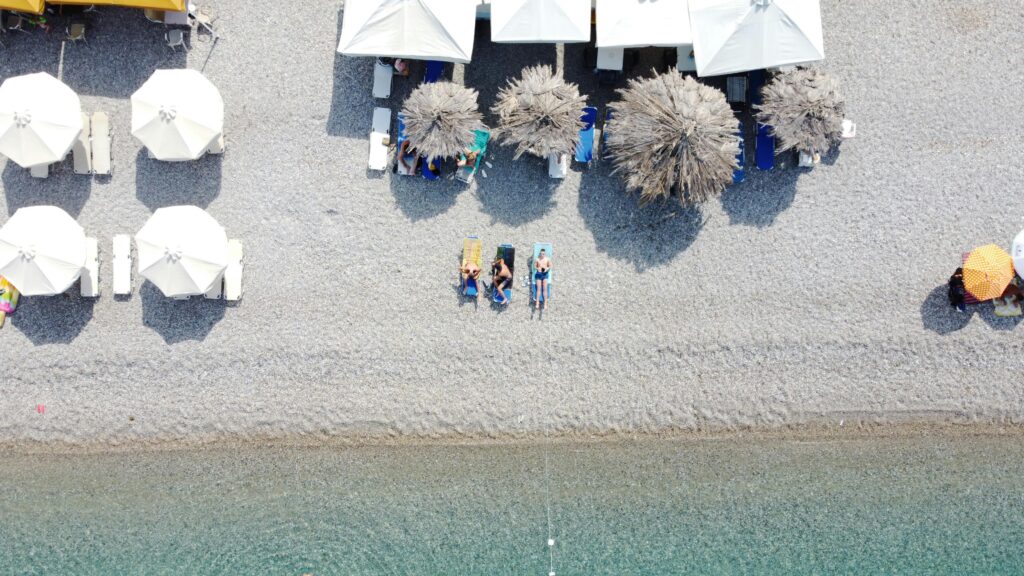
x=434 y=71
x=585 y=147
x=764 y=148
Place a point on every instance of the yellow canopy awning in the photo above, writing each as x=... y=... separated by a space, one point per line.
x=30 y=6
x=176 y=5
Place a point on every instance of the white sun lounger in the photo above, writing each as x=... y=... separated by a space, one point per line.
x=233 y=273
x=89 y=283
x=558 y=165
x=81 y=152
x=122 y=265
x=100 y=143
x=379 y=138
x=849 y=129
x=39 y=171
x=382 y=76
x=610 y=58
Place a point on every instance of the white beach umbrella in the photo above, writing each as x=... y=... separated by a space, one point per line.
x=42 y=250
x=177 y=114
x=740 y=35
x=639 y=23
x=1017 y=253
x=540 y=20
x=40 y=118
x=415 y=29
x=182 y=250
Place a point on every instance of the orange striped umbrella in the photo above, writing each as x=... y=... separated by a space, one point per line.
x=987 y=272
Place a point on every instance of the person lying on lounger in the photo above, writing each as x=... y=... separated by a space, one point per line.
x=470 y=274
x=543 y=270
x=501 y=278
x=408 y=157
x=467 y=158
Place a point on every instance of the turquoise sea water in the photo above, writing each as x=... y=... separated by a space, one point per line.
x=921 y=505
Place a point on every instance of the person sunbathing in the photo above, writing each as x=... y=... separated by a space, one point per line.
x=501 y=278
x=408 y=158
x=467 y=158
x=470 y=274
x=543 y=270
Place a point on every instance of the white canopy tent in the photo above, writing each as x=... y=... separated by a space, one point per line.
x=740 y=35
x=182 y=250
x=557 y=21
x=40 y=118
x=42 y=250
x=415 y=29
x=177 y=114
x=639 y=23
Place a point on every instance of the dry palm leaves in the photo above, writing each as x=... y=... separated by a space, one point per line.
x=539 y=113
x=670 y=132
x=440 y=119
x=804 y=109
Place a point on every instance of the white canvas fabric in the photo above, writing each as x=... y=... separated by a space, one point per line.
x=1017 y=253
x=639 y=23
x=177 y=114
x=42 y=250
x=416 y=29
x=182 y=250
x=40 y=119
x=740 y=35
x=540 y=21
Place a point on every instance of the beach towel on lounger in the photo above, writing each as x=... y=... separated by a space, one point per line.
x=472 y=252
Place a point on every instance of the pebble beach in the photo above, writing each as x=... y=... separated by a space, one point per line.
x=800 y=297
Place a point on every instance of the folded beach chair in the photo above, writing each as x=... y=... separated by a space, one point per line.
x=433 y=72
x=81 y=152
x=537 y=247
x=508 y=252
x=122 y=256
x=740 y=173
x=764 y=148
x=466 y=173
x=412 y=159
x=472 y=252
x=233 y=273
x=585 y=147
x=382 y=76
x=558 y=165
x=101 y=144
x=90 y=279
x=379 y=134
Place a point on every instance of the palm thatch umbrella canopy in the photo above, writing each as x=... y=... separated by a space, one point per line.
x=804 y=109
x=539 y=112
x=671 y=131
x=440 y=118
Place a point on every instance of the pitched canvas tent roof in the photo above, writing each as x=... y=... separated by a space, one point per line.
x=540 y=20
x=415 y=29
x=639 y=23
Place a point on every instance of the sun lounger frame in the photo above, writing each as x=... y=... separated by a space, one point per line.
x=101 y=164
x=81 y=151
x=379 y=133
x=89 y=283
x=122 y=264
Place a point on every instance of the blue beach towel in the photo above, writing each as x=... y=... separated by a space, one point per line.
x=585 y=147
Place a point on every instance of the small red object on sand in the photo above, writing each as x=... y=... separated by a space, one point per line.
x=40 y=408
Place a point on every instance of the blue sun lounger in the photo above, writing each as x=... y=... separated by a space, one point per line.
x=764 y=147
x=433 y=72
x=504 y=296
x=740 y=173
x=549 y=251
x=585 y=147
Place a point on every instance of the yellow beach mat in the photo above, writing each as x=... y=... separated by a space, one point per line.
x=473 y=251
x=29 y=6
x=174 y=5
x=987 y=272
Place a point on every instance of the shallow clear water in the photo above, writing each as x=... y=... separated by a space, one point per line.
x=924 y=505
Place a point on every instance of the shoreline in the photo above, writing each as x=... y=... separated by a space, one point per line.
x=807 y=432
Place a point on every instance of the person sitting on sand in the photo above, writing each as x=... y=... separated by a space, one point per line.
x=543 y=270
x=470 y=273
x=501 y=277
x=957 y=293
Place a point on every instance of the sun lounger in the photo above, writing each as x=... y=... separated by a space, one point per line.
x=849 y=129
x=740 y=173
x=90 y=279
x=685 y=62
x=81 y=152
x=736 y=89
x=558 y=165
x=472 y=252
x=466 y=173
x=217 y=146
x=412 y=159
x=610 y=59
x=503 y=294
x=764 y=148
x=233 y=273
x=429 y=174
x=585 y=147
x=39 y=171
x=537 y=247
x=101 y=144
x=434 y=71
x=382 y=76
x=122 y=257
x=379 y=138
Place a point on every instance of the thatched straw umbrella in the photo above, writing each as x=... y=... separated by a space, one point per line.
x=671 y=131
x=539 y=112
x=440 y=118
x=804 y=109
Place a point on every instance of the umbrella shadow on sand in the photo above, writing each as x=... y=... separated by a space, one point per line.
x=53 y=319
x=179 y=320
x=159 y=184
x=938 y=316
x=761 y=197
x=420 y=199
x=521 y=192
x=62 y=188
